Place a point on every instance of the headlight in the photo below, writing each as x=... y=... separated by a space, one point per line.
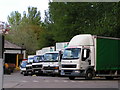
x=56 y=71
x=77 y=71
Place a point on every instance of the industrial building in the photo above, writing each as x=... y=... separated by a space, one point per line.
x=13 y=53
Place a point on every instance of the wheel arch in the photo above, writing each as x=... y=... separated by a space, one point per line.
x=90 y=68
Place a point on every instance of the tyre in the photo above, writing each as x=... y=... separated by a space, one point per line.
x=72 y=78
x=8 y=72
x=53 y=75
x=38 y=74
x=109 y=77
x=59 y=75
x=21 y=72
x=11 y=71
x=25 y=74
x=89 y=75
x=31 y=74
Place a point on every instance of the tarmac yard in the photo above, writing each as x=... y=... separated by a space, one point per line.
x=17 y=80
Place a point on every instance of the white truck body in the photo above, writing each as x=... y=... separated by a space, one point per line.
x=47 y=49
x=61 y=46
x=38 y=52
x=84 y=40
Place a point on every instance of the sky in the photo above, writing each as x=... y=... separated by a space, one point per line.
x=7 y=6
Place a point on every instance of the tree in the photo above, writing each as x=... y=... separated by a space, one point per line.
x=63 y=21
x=33 y=16
x=27 y=32
x=69 y=19
x=14 y=18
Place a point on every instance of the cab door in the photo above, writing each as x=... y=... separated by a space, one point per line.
x=85 y=59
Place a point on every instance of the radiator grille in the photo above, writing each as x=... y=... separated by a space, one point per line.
x=68 y=66
x=37 y=66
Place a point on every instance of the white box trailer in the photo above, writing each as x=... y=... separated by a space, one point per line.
x=48 y=49
x=38 y=52
x=61 y=45
x=44 y=50
x=89 y=56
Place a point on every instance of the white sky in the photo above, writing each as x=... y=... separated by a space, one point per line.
x=7 y=6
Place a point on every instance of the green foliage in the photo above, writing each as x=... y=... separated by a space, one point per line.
x=14 y=18
x=33 y=16
x=62 y=22
x=69 y=19
x=26 y=30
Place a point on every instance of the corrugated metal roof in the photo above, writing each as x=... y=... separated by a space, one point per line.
x=10 y=45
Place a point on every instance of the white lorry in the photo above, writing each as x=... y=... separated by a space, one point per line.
x=39 y=52
x=47 y=49
x=51 y=63
x=23 y=66
x=89 y=56
x=29 y=65
x=37 y=64
x=52 y=59
x=61 y=46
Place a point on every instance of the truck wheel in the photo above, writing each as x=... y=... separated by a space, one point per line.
x=59 y=75
x=89 y=75
x=8 y=71
x=72 y=78
x=53 y=75
x=38 y=74
x=109 y=77
x=25 y=74
x=11 y=71
x=21 y=72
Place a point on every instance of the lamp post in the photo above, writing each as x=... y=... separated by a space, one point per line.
x=1 y=60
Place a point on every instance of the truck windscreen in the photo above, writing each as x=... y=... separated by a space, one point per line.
x=38 y=58
x=71 y=53
x=23 y=64
x=51 y=57
x=30 y=60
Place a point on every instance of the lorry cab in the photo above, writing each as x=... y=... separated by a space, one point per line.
x=77 y=58
x=75 y=61
x=37 y=64
x=29 y=65
x=23 y=66
x=51 y=63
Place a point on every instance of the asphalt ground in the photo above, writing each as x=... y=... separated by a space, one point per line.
x=17 y=80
